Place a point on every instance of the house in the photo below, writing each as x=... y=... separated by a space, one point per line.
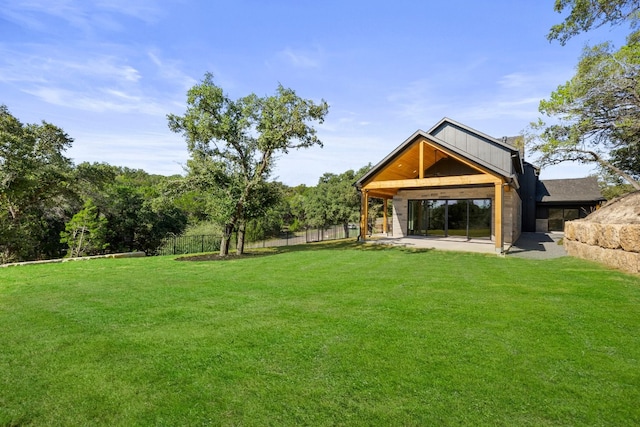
x=456 y=181
x=560 y=200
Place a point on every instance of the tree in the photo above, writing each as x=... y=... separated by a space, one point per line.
x=140 y=211
x=598 y=113
x=334 y=200
x=35 y=181
x=598 y=110
x=585 y=15
x=85 y=233
x=612 y=186
x=270 y=214
x=233 y=143
x=297 y=202
x=157 y=219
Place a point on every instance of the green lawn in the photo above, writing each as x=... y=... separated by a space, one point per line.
x=327 y=334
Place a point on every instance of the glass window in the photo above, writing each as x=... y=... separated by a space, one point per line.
x=571 y=214
x=479 y=218
x=457 y=217
x=417 y=225
x=468 y=218
x=437 y=217
x=558 y=216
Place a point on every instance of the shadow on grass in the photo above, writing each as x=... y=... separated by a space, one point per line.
x=343 y=244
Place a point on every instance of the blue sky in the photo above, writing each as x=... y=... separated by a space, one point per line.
x=109 y=71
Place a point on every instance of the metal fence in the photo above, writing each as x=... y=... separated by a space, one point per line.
x=179 y=245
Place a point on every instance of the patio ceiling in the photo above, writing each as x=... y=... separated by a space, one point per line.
x=404 y=171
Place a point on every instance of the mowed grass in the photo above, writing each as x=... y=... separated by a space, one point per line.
x=327 y=334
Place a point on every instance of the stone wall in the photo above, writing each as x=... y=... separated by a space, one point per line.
x=615 y=245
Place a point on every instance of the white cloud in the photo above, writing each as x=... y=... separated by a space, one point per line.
x=87 y=16
x=515 y=80
x=299 y=58
x=420 y=101
x=100 y=82
x=155 y=152
x=171 y=71
x=144 y=10
x=42 y=63
x=100 y=101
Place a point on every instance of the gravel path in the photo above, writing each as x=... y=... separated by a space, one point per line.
x=538 y=246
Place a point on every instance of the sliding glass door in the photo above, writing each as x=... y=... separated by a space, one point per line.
x=479 y=218
x=469 y=218
x=417 y=222
x=437 y=214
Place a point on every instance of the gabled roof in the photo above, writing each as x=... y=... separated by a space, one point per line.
x=497 y=156
x=569 y=190
x=506 y=142
x=479 y=147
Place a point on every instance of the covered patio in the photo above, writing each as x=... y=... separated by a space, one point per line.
x=451 y=182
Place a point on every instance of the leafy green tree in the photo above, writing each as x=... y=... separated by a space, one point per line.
x=157 y=219
x=296 y=199
x=140 y=211
x=585 y=15
x=85 y=233
x=266 y=214
x=335 y=200
x=233 y=144
x=35 y=182
x=612 y=186
x=597 y=113
x=92 y=181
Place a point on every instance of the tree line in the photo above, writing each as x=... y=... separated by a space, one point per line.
x=50 y=207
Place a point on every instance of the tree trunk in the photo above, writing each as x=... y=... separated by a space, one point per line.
x=635 y=184
x=240 y=245
x=346 y=229
x=226 y=240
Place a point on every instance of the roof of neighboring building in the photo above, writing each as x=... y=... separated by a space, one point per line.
x=569 y=190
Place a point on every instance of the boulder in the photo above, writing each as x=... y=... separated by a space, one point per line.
x=630 y=237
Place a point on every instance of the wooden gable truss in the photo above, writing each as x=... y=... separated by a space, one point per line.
x=412 y=166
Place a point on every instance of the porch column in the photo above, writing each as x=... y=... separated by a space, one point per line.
x=384 y=215
x=421 y=162
x=499 y=193
x=364 y=214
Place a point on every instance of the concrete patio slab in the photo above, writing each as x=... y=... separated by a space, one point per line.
x=529 y=245
x=439 y=243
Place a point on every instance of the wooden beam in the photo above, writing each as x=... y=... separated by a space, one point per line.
x=442 y=181
x=499 y=217
x=385 y=193
x=462 y=159
x=385 y=204
x=364 y=214
x=421 y=162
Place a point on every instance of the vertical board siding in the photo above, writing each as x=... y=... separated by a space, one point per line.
x=475 y=147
